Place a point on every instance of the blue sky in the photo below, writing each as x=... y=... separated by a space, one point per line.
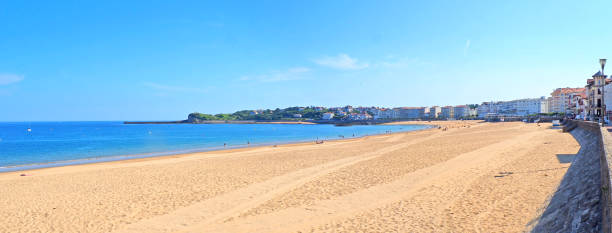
x=160 y=60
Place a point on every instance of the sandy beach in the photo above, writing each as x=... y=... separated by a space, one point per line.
x=468 y=176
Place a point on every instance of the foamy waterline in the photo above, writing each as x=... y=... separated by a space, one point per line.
x=112 y=158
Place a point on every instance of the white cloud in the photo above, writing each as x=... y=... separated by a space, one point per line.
x=170 y=88
x=277 y=76
x=466 y=48
x=342 y=61
x=6 y=79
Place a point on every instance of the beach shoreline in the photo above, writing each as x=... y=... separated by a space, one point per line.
x=168 y=154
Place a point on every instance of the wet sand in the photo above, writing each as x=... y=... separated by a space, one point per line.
x=471 y=177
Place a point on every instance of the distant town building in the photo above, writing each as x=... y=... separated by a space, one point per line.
x=386 y=113
x=359 y=116
x=523 y=107
x=328 y=116
x=377 y=113
x=547 y=105
x=486 y=108
x=297 y=115
x=473 y=112
x=561 y=99
x=520 y=107
x=411 y=112
x=434 y=111
x=447 y=112
x=461 y=112
x=578 y=105
x=426 y=113
x=348 y=109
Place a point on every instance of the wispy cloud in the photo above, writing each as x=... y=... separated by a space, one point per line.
x=170 y=88
x=342 y=61
x=467 y=47
x=6 y=79
x=277 y=76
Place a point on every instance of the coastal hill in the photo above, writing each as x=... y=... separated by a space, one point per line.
x=292 y=113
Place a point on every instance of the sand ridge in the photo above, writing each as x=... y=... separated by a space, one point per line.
x=232 y=204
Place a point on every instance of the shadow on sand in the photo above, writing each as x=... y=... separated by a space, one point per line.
x=574 y=207
x=566 y=158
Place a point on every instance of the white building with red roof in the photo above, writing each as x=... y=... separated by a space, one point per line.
x=560 y=98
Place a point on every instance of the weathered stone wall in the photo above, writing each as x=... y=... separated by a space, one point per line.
x=606 y=171
x=576 y=205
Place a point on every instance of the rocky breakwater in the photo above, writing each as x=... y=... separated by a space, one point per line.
x=579 y=205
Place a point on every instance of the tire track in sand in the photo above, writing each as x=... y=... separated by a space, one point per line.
x=225 y=206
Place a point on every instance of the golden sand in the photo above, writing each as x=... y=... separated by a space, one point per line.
x=472 y=177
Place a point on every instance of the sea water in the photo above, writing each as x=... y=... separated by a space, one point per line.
x=26 y=145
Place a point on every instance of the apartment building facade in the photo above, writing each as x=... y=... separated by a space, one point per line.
x=560 y=99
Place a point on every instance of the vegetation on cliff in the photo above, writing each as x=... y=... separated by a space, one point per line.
x=292 y=113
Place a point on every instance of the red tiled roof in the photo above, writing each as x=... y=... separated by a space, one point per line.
x=567 y=90
x=580 y=94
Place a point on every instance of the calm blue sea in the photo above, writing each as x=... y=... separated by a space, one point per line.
x=61 y=143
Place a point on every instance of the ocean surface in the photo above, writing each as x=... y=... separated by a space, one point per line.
x=25 y=145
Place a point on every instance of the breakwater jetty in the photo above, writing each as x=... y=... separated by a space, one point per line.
x=582 y=201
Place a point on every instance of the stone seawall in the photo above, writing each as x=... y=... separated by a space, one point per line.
x=606 y=171
x=578 y=204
